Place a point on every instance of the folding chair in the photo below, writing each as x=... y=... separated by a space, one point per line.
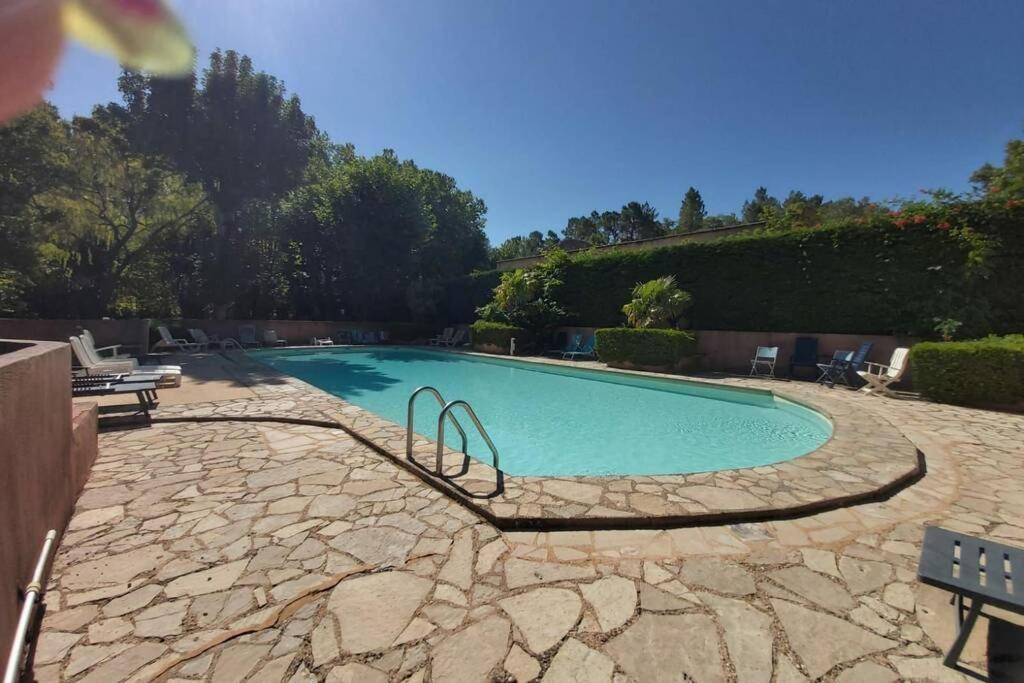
x=835 y=369
x=764 y=356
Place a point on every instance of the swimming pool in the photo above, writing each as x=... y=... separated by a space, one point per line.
x=549 y=420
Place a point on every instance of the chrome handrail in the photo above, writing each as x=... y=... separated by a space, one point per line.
x=28 y=611
x=409 y=422
x=446 y=411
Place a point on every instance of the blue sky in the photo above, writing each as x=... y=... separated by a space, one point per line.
x=548 y=110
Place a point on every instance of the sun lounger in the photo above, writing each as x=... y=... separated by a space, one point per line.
x=456 y=339
x=167 y=340
x=987 y=573
x=142 y=391
x=571 y=345
x=113 y=350
x=321 y=341
x=91 y=365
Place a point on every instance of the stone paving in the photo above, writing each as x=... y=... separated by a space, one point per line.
x=867 y=456
x=228 y=551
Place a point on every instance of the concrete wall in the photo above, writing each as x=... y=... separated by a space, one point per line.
x=133 y=332
x=297 y=332
x=731 y=351
x=44 y=462
x=651 y=243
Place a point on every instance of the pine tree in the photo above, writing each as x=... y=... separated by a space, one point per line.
x=692 y=212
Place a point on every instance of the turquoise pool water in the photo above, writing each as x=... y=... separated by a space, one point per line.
x=558 y=421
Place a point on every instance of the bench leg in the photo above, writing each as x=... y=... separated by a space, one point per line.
x=963 y=629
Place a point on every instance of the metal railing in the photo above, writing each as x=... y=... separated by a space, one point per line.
x=28 y=611
x=409 y=422
x=446 y=413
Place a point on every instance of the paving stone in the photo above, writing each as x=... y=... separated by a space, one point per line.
x=469 y=655
x=748 y=637
x=686 y=645
x=356 y=673
x=273 y=671
x=114 y=569
x=519 y=573
x=574 y=491
x=717 y=575
x=900 y=596
x=85 y=656
x=207 y=581
x=845 y=642
x=458 y=570
x=654 y=599
x=614 y=600
x=522 y=666
x=109 y=630
x=543 y=615
x=864 y=576
x=926 y=669
x=814 y=587
x=375 y=545
x=575 y=662
x=867 y=672
x=125 y=663
x=54 y=647
x=71 y=619
x=823 y=561
x=356 y=603
x=96 y=517
x=235 y=662
x=324 y=644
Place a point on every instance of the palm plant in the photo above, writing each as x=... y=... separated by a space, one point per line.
x=657 y=303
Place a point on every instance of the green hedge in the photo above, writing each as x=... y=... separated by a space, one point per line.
x=856 y=278
x=669 y=349
x=498 y=334
x=983 y=372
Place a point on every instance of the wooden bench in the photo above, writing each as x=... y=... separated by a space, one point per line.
x=988 y=573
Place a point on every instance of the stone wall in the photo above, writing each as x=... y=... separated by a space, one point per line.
x=45 y=459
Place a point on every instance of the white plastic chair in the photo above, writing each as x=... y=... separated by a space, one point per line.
x=444 y=338
x=765 y=356
x=879 y=377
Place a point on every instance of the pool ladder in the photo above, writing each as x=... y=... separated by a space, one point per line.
x=446 y=412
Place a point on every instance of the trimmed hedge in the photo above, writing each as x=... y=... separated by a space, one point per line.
x=879 y=278
x=982 y=372
x=645 y=348
x=497 y=334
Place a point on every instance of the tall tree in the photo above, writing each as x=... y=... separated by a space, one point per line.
x=756 y=207
x=1006 y=181
x=692 y=212
x=639 y=221
x=116 y=207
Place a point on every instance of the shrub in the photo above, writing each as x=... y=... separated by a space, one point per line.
x=526 y=298
x=483 y=332
x=646 y=348
x=982 y=372
x=892 y=274
x=657 y=303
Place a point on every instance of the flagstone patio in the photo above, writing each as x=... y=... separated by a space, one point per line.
x=233 y=550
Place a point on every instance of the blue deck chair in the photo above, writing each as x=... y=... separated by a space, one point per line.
x=835 y=369
x=805 y=355
x=857 y=362
x=585 y=350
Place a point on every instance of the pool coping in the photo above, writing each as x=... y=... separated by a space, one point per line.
x=862 y=462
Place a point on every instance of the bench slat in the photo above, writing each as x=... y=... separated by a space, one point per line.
x=937 y=562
